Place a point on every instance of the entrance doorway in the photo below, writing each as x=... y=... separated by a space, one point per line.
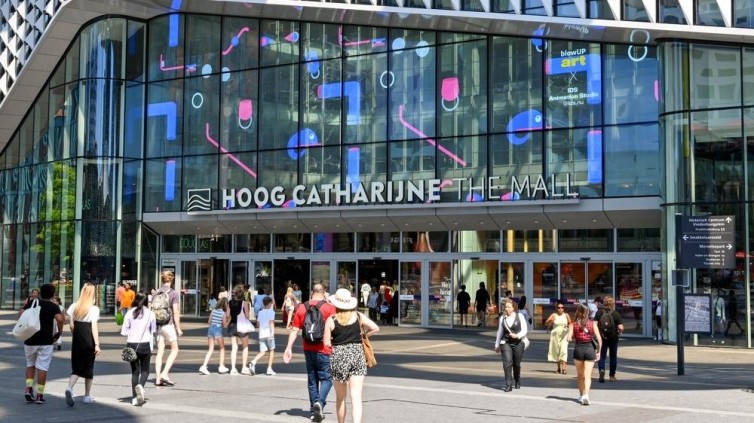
x=199 y=280
x=285 y=274
x=374 y=272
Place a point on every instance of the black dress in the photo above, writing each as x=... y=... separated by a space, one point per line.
x=82 y=350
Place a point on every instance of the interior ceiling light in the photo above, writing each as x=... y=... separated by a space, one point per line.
x=507 y=222
x=565 y=221
x=536 y=221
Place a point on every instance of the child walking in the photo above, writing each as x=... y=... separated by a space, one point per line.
x=266 y=320
x=218 y=320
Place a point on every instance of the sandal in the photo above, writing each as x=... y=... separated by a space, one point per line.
x=167 y=382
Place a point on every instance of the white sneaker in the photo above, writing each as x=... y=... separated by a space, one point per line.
x=245 y=371
x=135 y=402
x=222 y=370
x=585 y=400
x=253 y=367
x=88 y=399
x=271 y=372
x=204 y=370
x=140 y=394
x=233 y=372
x=69 y=397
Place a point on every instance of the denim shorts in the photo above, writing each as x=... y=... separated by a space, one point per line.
x=266 y=344
x=215 y=331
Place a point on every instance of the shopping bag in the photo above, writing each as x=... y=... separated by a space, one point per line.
x=28 y=324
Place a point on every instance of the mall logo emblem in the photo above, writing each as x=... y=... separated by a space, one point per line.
x=199 y=200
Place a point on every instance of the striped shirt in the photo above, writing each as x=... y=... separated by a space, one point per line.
x=217 y=317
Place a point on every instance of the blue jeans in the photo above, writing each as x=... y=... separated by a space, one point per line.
x=612 y=346
x=318 y=377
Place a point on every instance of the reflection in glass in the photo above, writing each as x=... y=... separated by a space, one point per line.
x=630 y=295
x=716 y=77
x=441 y=298
x=545 y=291
x=410 y=284
x=632 y=160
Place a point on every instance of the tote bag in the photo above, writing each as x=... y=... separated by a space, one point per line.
x=28 y=324
x=243 y=324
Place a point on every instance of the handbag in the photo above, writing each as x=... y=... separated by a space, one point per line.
x=368 y=351
x=526 y=342
x=119 y=318
x=243 y=324
x=28 y=324
x=128 y=354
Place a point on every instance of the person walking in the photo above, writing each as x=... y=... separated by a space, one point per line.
x=38 y=348
x=372 y=303
x=218 y=321
x=584 y=331
x=126 y=298
x=558 y=324
x=658 y=317
x=523 y=308
x=365 y=290
x=316 y=354
x=289 y=305
x=139 y=326
x=511 y=331
x=347 y=364
x=169 y=332
x=266 y=321
x=464 y=300
x=610 y=327
x=732 y=309
x=237 y=306
x=481 y=301
x=84 y=343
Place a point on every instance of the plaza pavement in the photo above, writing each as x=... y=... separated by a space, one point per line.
x=423 y=375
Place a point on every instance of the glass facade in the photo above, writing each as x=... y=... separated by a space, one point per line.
x=140 y=116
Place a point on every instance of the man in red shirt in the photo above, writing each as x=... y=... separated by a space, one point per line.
x=317 y=355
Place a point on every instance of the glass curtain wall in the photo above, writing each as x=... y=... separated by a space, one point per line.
x=706 y=125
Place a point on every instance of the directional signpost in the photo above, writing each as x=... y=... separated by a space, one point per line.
x=705 y=242
x=708 y=242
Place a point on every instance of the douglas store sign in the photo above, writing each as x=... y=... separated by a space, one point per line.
x=552 y=187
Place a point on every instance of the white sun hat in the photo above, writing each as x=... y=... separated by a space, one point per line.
x=343 y=300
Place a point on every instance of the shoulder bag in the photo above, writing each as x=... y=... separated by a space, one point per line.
x=28 y=324
x=128 y=354
x=524 y=340
x=368 y=351
x=243 y=324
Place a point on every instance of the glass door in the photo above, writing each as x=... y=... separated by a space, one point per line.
x=441 y=296
x=629 y=300
x=545 y=291
x=512 y=284
x=410 y=298
x=187 y=287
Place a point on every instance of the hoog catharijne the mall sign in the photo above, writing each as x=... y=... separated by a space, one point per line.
x=550 y=187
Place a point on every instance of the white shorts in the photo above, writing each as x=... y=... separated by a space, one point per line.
x=39 y=356
x=267 y=344
x=168 y=333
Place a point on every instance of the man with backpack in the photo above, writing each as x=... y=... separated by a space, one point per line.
x=310 y=319
x=166 y=309
x=611 y=327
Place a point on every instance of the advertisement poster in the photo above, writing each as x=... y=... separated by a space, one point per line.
x=698 y=313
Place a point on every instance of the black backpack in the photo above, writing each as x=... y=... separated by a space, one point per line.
x=607 y=325
x=314 y=325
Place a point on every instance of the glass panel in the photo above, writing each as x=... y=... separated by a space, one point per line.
x=575 y=240
x=72 y=59
x=199 y=172
x=418 y=4
x=240 y=114
x=632 y=84
x=425 y=242
x=598 y=9
x=475 y=241
x=165 y=56
x=472 y=5
x=178 y=243
x=237 y=171
x=632 y=160
x=188 y=285
x=135 y=45
x=412 y=160
x=708 y=13
x=630 y=300
x=41 y=126
x=718 y=156
x=214 y=243
x=530 y=241
x=440 y=294
x=502 y=6
x=165 y=119
x=334 y=242
x=577 y=152
x=715 y=76
x=102 y=49
x=254 y=243
x=161 y=193
x=670 y=12
x=286 y=273
x=385 y=242
x=133 y=128
x=599 y=279
x=463 y=88
x=346 y=278
x=410 y=284
x=743 y=14
x=365 y=104
x=462 y=158
x=292 y=243
x=546 y=293
x=633 y=10
x=25 y=140
x=98 y=249
x=574 y=84
x=240 y=43
x=362 y=164
x=263 y=276
x=412 y=95
x=572 y=284
x=748 y=76
x=442 y=4
x=279 y=41
x=516 y=155
x=566 y=8
x=278 y=117
x=322 y=99
x=99 y=199
x=320 y=275
x=638 y=240
x=200 y=127
x=533 y=7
